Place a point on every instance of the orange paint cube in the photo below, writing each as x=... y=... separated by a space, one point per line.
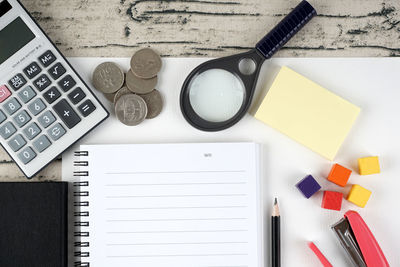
x=339 y=175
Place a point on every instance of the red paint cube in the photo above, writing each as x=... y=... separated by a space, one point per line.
x=332 y=200
x=339 y=175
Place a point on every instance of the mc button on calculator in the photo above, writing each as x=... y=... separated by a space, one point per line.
x=45 y=106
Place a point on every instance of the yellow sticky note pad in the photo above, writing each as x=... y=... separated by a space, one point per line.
x=307 y=112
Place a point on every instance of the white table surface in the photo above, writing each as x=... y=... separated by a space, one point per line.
x=371 y=83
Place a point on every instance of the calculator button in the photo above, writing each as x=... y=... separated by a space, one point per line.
x=7 y=130
x=66 y=113
x=12 y=106
x=36 y=106
x=42 y=82
x=17 y=142
x=57 y=71
x=32 y=131
x=32 y=70
x=41 y=143
x=27 y=155
x=47 y=58
x=4 y=93
x=76 y=96
x=86 y=108
x=2 y=117
x=17 y=81
x=66 y=83
x=26 y=94
x=56 y=132
x=22 y=118
x=51 y=95
x=46 y=119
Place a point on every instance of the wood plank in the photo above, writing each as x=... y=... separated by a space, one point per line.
x=215 y=28
x=9 y=172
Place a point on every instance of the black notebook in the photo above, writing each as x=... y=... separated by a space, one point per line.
x=33 y=224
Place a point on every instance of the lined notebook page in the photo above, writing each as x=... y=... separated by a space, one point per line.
x=175 y=205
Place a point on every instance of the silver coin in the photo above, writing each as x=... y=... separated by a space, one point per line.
x=138 y=85
x=108 y=77
x=146 y=63
x=154 y=103
x=131 y=109
x=121 y=92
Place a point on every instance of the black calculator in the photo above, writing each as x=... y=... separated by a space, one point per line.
x=45 y=106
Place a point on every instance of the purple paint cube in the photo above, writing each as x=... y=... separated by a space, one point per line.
x=308 y=186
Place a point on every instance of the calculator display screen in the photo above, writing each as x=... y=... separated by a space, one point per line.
x=4 y=7
x=13 y=37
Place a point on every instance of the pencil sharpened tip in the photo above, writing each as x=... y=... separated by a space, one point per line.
x=275 y=209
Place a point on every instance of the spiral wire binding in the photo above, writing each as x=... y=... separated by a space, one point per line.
x=81 y=215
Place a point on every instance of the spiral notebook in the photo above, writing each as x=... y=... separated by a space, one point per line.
x=169 y=205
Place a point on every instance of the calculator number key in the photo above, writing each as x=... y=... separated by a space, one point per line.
x=46 y=119
x=7 y=130
x=17 y=142
x=32 y=131
x=17 y=81
x=27 y=155
x=66 y=83
x=56 y=131
x=66 y=113
x=47 y=58
x=26 y=94
x=12 y=106
x=57 y=71
x=32 y=70
x=86 y=108
x=76 y=95
x=36 y=106
x=4 y=93
x=52 y=95
x=22 y=118
x=41 y=143
x=42 y=82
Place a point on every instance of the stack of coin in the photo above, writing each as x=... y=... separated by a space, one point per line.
x=133 y=94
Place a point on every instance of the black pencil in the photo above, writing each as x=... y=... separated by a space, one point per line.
x=276 y=236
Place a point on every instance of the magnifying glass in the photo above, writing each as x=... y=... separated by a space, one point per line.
x=218 y=93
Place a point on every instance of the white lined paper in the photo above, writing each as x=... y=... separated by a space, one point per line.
x=174 y=205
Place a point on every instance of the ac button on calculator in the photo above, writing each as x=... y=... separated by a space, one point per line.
x=45 y=106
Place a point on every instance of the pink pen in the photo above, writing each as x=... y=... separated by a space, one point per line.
x=319 y=254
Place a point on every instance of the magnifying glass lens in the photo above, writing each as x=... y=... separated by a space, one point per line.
x=216 y=95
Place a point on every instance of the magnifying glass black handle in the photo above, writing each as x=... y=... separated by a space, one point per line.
x=264 y=49
x=286 y=29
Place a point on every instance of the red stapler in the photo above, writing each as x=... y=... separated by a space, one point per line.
x=359 y=242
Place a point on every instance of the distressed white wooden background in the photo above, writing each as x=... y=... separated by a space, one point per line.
x=200 y=28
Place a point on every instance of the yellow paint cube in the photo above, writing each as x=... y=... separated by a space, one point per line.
x=368 y=165
x=359 y=195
